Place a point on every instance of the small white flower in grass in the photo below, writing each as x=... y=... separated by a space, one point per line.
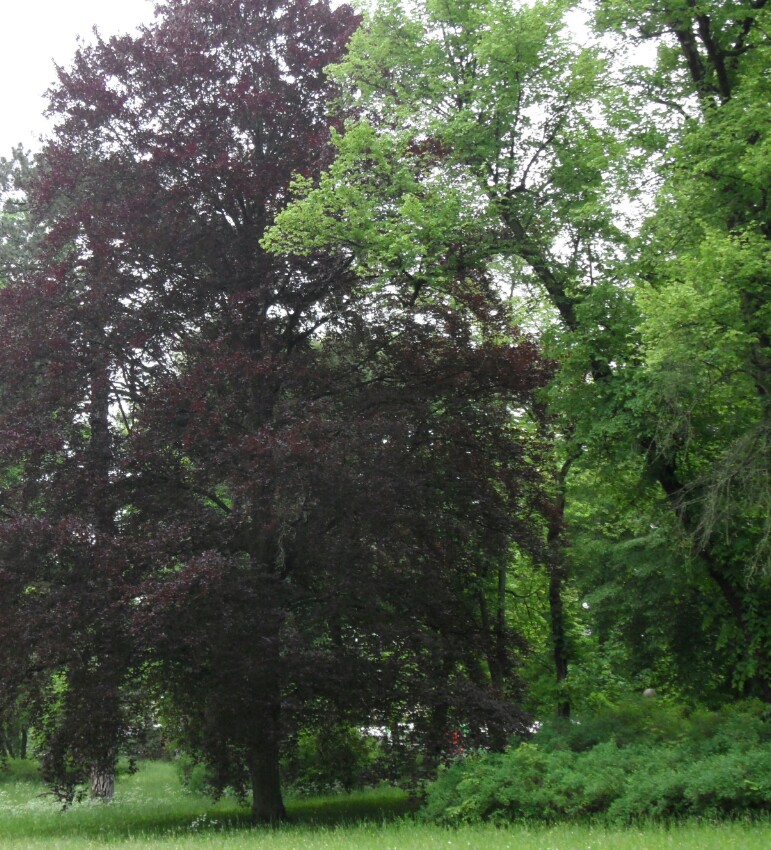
x=202 y=822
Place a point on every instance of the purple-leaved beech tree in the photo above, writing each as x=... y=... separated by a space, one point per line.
x=252 y=489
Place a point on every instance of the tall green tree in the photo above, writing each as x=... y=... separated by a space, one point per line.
x=700 y=400
x=472 y=141
x=478 y=134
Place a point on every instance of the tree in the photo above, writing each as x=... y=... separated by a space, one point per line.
x=700 y=271
x=17 y=235
x=480 y=125
x=472 y=139
x=265 y=485
x=101 y=348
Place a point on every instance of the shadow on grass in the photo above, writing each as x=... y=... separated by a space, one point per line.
x=153 y=804
x=377 y=804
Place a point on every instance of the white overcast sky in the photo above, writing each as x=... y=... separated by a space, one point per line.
x=37 y=33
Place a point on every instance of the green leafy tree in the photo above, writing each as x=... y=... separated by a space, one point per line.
x=479 y=136
x=699 y=401
x=472 y=143
x=18 y=235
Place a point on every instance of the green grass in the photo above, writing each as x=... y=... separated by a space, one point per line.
x=151 y=810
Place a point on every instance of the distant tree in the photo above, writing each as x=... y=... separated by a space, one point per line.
x=17 y=234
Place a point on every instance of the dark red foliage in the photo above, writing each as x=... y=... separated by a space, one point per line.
x=243 y=483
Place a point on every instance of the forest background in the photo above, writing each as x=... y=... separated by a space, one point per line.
x=407 y=370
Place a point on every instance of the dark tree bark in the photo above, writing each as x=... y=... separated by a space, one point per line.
x=558 y=636
x=267 y=799
x=103 y=780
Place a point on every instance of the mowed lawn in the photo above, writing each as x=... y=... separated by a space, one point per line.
x=151 y=810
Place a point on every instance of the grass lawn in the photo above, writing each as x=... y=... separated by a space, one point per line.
x=151 y=810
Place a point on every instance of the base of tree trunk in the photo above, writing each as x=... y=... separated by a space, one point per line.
x=102 y=784
x=267 y=800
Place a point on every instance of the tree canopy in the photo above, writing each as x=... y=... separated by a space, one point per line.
x=256 y=487
x=366 y=367
x=493 y=131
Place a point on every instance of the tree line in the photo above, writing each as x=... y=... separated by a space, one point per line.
x=406 y=368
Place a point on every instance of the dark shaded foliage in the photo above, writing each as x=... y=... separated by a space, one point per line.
x=256 y=487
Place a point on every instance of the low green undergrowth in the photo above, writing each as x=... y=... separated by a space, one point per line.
x=153 y=802
x=640 y=761
x=153 y=810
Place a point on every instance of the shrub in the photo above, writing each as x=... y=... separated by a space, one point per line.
x=652 y=762
x=194 y=776
x=332 y=758
x=632 y=721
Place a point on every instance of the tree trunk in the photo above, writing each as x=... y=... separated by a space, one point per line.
x=5 y=749
x=558 y=636
x=502 y=653
x=103 y=782
x=492 y=645
x=267 y=800
x=558 y=573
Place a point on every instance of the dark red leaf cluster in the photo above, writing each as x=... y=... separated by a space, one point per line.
x=246 y=485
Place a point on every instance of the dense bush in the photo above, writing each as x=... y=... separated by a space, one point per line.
x=194 y=777
x=640 y=760
x=332 y=758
